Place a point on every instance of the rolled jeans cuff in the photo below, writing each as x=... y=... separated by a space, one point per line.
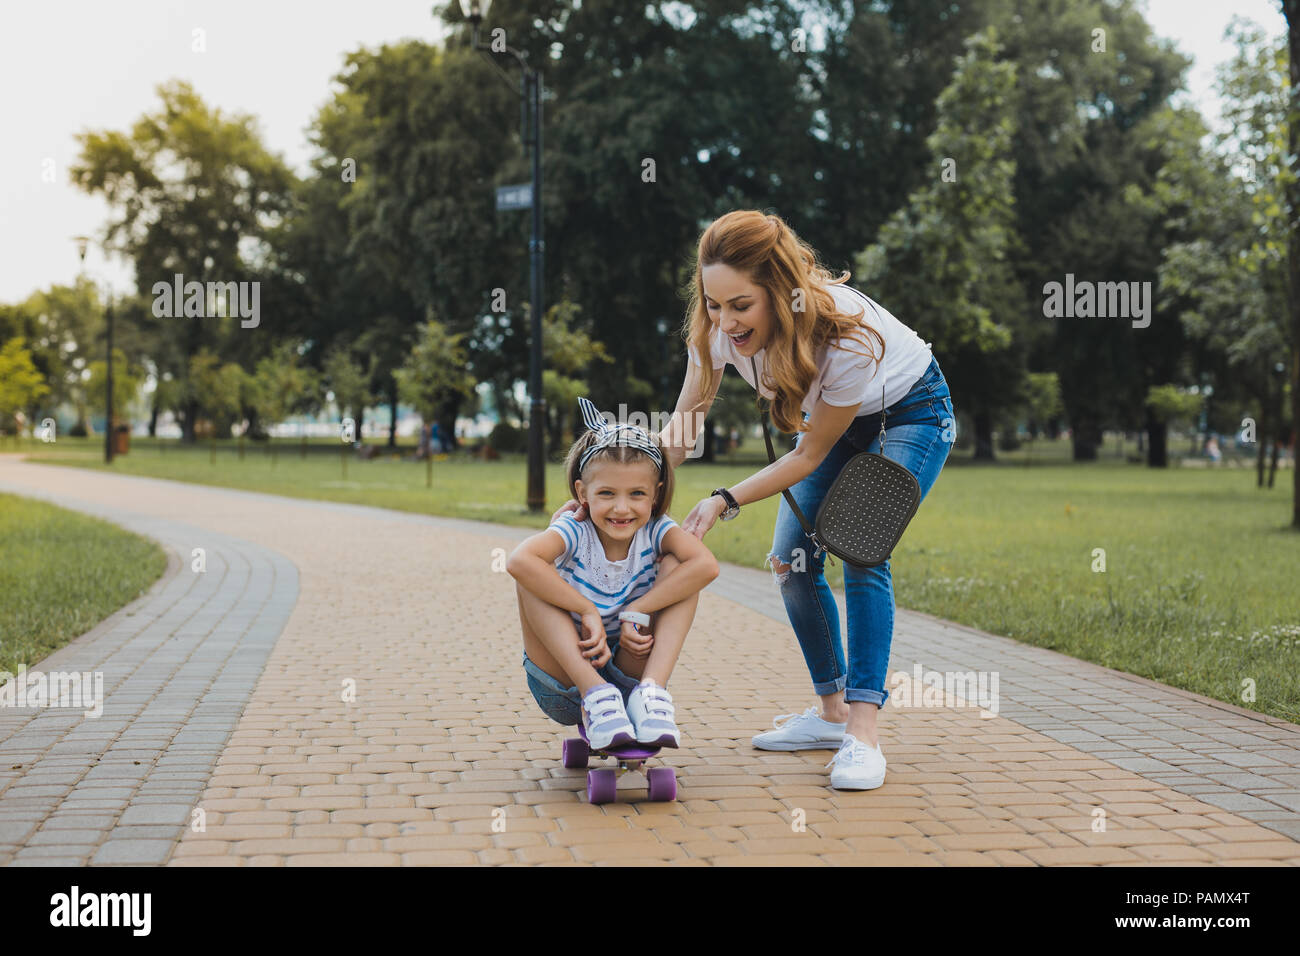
x=877 y=697
x=830 y=687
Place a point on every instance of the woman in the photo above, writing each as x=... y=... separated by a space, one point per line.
x=828 y=359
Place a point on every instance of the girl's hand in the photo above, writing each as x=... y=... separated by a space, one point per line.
x=638 y=645
x=594 y=646
x=579 y=511
x=703 y=516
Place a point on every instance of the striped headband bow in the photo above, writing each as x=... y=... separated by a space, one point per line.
x=631 y=436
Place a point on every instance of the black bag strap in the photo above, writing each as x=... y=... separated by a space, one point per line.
x=771 y=457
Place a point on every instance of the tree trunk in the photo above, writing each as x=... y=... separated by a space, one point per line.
x=983 y=436
x=153 y=420
x=446 y=417
x=1291 y=8
x=1085 y=438
x=1157 y=442
x=189 y=413
x=1261 y=440
x=392 y=420
x=709 y=441
x=1272 y=463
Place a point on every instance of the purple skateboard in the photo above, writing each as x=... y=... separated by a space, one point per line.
x=602 y=783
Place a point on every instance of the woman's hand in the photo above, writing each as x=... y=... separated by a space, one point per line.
x=579 y=511
x=703 y=515
x=637 y=644
x=594 y=646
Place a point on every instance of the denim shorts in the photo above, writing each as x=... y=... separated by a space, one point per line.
x=564 y=704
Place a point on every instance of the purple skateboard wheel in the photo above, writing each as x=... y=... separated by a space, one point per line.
x=602 y=786
x=662 y=784
x=574 y=753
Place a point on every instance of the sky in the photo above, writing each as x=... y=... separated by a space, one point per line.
x=71 y=65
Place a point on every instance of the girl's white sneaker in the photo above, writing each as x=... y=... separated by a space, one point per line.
x=604 y=718
x=650 y=708
x=858 y=766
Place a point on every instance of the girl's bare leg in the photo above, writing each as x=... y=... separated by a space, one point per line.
x=669 y=626
x=551 y=642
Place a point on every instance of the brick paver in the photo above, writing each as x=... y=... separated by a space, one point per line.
x=387 y=722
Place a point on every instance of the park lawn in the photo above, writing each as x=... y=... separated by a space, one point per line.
x=1201 y=588
x=61 y=573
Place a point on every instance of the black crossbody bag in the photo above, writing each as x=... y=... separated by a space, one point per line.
x=867 y=508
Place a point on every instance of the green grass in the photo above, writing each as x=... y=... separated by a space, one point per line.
x=61 y=573
x=1200 y=587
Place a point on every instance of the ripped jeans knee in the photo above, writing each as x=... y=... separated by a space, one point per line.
x=781 y=570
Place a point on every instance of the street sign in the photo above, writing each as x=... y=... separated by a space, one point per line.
x=518 y=196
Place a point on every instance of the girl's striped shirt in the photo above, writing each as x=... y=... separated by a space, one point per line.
x=610 y=585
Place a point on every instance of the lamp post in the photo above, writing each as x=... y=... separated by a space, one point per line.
x=82 y=243
x=531 y=93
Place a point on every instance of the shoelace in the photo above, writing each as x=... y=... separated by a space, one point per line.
x=781 y=720
x=852 y=750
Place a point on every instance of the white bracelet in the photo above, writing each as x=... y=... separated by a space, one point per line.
x=635 y=617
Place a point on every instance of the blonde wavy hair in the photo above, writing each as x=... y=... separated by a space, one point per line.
x=771 y=256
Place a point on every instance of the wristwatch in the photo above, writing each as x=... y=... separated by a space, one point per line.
x=733 y=508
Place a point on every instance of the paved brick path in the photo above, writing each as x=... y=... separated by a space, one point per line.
x=386 y=721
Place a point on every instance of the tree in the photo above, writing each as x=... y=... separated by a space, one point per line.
x=1168 y=403
x=1088 y=148
x=279 y=387
x=423 y=132
x=1292 y=191
x=21 y=384
x=195 y=193
x=349 y=383
x=215 y=389
x=684 y=111
x=942 y=262
x=60 y=327
x=434 y=372
x=126 y=384
x=1229 y=276
x=569 y=352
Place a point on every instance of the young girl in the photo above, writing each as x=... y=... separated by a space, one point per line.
x=605 y=603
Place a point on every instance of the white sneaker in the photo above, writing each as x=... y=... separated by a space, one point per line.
x=604 y=718
x=650 y=708
x=806 y=731
x=858 y=766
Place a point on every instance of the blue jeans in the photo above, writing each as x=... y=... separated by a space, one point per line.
x=920 y=429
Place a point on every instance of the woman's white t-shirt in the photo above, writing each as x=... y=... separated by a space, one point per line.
x=844 y=375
